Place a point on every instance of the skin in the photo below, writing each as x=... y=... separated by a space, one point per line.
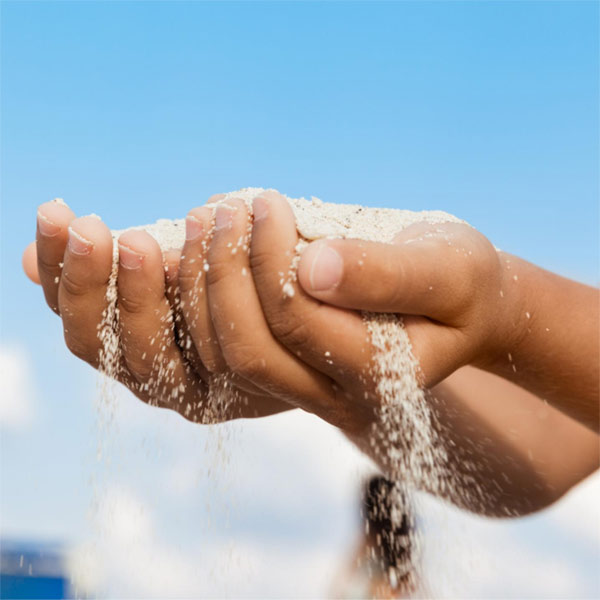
x=72 y=259
x=282 y=352
x=469 y=304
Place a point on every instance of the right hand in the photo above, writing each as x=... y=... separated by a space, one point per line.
x=72 y=259
x=447 y=280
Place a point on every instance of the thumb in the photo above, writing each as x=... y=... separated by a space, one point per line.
x=418 y=276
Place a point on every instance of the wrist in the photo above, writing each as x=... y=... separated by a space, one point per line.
x=510 y=316
x=546 y=338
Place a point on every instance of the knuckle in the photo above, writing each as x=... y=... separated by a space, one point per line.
x=79 y=348
x=291 y=332
x=190 y=272
x=140 y=360
x=46 y=265
x=188 y=279
x=266 y=264
x=218 y=272
x=210 y=355
x=260 y=259
x=141 y=369
x=131 y=304
x=245 y=361
x=72 y=285
x=213 y=363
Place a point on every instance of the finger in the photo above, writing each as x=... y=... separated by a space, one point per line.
x=431 y=274
x=243 y=333
x=171 y=259
x=146 y=319
x=53 y=219
x=30 y=263
x=192 y=284
x=439 y=349
x=331 y=339
x=183 y=338
x=196 y=326
x=215 y=198
x=83 y=284
x=148 y=342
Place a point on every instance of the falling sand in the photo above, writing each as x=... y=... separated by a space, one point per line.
x=404 y=438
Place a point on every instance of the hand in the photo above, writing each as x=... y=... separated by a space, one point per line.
x=72 y=259
x=317 y=356
x=304 y=352
x=468 y=304
x=288 y=344
x=446 y=279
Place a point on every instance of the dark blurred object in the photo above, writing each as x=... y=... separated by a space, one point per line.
x=385 y=562
x=32 y=571
x=388 y=526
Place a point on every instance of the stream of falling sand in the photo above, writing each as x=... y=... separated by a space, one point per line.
x=405 y=436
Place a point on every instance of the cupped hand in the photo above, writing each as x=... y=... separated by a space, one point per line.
x=72 y=259
x=232 y=278
x=447 y=280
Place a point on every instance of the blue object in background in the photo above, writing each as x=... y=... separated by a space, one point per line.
x=32 y=571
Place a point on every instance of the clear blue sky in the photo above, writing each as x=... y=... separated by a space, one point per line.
x=137 y=111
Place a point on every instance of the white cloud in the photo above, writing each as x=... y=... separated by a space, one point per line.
x=129 y=559
x=578 y=513
x=539 y=556
x=17 y=391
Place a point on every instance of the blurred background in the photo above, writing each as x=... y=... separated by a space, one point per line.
x=141 y=110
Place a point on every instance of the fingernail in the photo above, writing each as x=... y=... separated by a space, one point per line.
x=326 y=270
x=130 y=259
x=46 y=226
x=260 y=208
x=193 y=228
x=223 y=217
x=78 y=244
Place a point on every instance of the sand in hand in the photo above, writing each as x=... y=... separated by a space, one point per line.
x=405 y=437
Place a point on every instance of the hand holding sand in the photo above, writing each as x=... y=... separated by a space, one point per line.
x=74 y=264
x=470 y=304
x=230 y=311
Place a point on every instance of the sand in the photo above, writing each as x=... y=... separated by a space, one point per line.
x=404 y=439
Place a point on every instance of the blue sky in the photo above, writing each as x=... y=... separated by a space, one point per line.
x=137 y=111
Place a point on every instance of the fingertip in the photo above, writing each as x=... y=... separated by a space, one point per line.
x=137 y=248
x=56 y=209
x=29 y=262
x=271 y=194
x=90 y=226
x=203 y=214
x=260 y=208
x=53 y=217
x=271 y=203
x=215 y=198
x=139 y=241
x=88 y=233
x=320 y=269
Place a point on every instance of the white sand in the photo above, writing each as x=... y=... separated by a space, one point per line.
x=404 y=438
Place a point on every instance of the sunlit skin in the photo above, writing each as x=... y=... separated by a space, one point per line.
x=466 y=308
x=73 y=258
x=485 y=308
